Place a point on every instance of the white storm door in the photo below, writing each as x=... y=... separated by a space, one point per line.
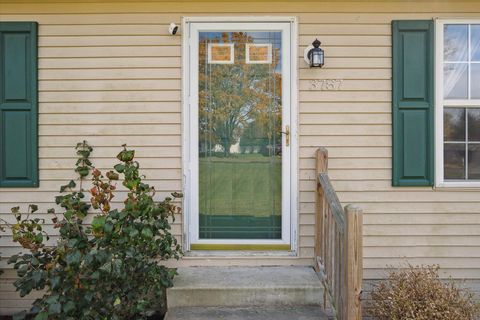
x=239 y=135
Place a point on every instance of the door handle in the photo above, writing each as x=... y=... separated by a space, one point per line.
x=287 y=135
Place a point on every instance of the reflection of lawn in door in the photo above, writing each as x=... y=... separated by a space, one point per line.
x=247 y=185
x=240 y=197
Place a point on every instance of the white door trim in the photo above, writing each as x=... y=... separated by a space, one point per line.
x=191 y=27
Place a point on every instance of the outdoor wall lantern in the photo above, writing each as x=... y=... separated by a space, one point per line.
x=314 y=55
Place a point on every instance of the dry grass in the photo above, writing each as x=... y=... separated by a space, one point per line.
x=418 y=293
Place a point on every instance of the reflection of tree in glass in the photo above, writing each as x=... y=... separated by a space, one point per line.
x=239 y=102
x=454 y=124
x=450 y=48
x=474 y=124
x=455 y=42
x=447 y=129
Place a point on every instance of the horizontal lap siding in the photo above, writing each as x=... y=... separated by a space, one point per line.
x=110 y=73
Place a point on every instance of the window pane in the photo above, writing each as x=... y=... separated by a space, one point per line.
x=455 y=42
x=475 y=42
x=473 y=125
x=455 y=82
x=475 y=81
x=474 y=161
x=454 y=124
x=454 y=161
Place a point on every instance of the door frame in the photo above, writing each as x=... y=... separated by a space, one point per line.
x=190 y=27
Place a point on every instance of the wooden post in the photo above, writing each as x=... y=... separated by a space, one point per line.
x=354 y=261
x=322 y=160
x=321 y=167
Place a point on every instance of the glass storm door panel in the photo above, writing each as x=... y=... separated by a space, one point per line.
x=241 y=145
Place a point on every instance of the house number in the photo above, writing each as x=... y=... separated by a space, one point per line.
x=326 y=85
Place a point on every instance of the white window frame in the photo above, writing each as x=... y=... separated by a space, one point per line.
x=191 y=27
x=440 y=103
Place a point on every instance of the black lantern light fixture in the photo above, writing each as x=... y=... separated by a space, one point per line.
x=315 y=55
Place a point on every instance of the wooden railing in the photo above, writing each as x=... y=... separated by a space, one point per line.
x=338 y=246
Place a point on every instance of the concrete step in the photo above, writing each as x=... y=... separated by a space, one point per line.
x=247 y=313
x=245 y=286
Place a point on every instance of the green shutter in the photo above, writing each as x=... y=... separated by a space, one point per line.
x=413 y=102
x=18 y=105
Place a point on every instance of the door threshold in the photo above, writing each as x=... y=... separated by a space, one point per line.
x=240 y=253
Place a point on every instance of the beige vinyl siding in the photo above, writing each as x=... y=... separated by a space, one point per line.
x=110 y=73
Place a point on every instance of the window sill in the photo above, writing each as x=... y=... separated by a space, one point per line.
x=459 y=185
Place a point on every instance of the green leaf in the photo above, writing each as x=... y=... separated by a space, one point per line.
x=117 y=266
x=22 y=270
x=37 y=276
x=101 y=256
x=55 y=282
x=98 y=223
x=68 y=214
x=128 y=155
x=13 y=259
x=55 y=308
x=34 y=262
x=119 y=168
x=72 y=184
x=81 y=215
x=147 y=233
x=58 y=199
x=33 y=208
x=73 y=258
x=89 y=295
x=69 y=307
x=117 y=302
x=39 y=238
x=52 y=299
x=95 y=275
x=133 y=233
x=108 y=227
x=72 y=242
x=82 y=171
x=129 y=184
x=41 y=316
x=106 y=267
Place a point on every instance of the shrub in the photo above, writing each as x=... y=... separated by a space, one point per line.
x=418 y=293
x=108 y=269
